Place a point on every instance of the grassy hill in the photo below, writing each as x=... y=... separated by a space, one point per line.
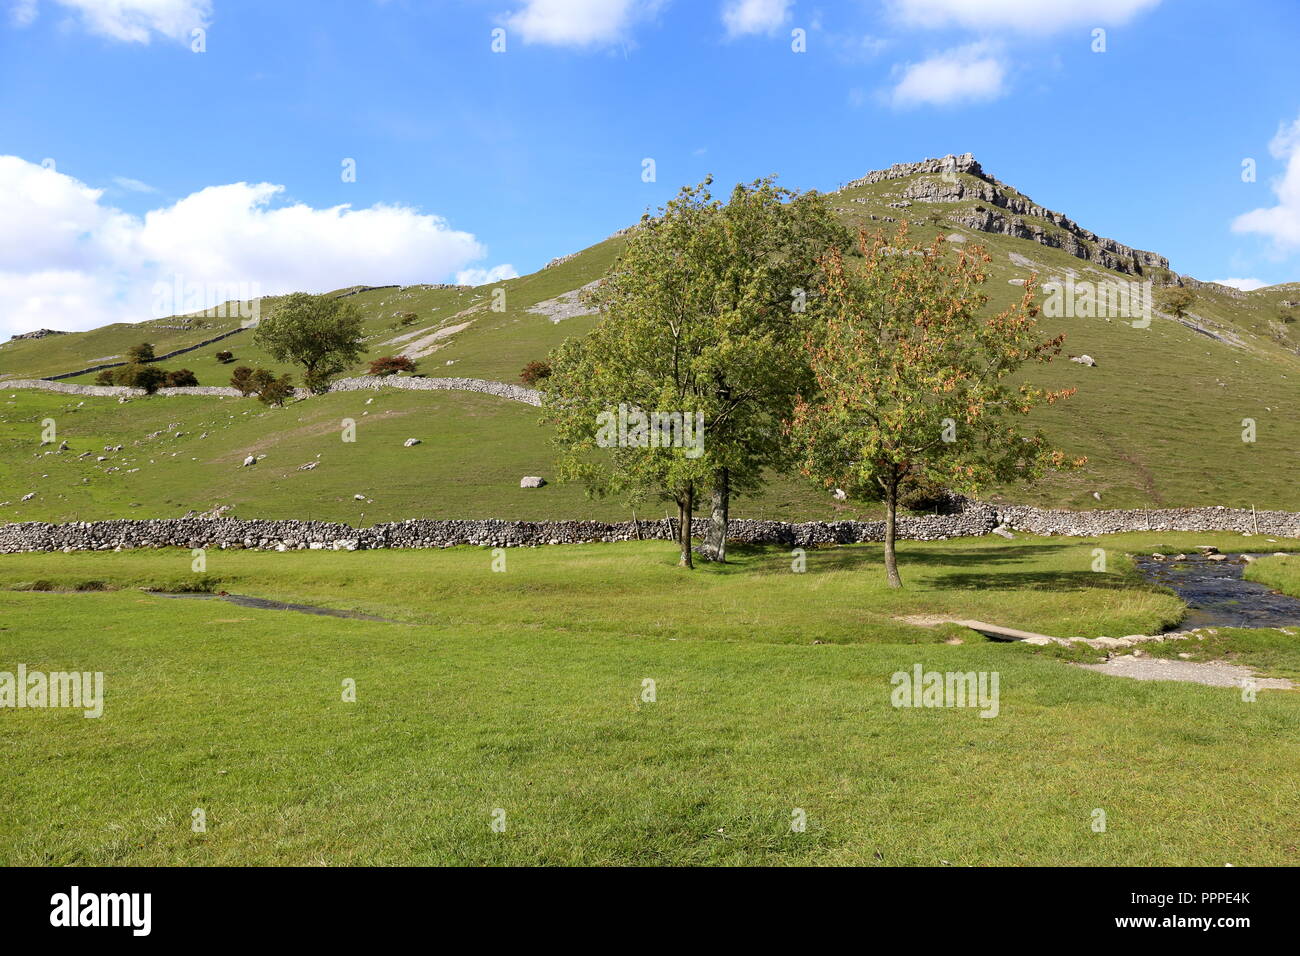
x=1160 y=416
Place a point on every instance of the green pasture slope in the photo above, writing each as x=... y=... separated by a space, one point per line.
x=1160 y=417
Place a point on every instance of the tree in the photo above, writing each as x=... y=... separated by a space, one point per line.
x=147 y=377
x=641 y=364
x=709 y=306
x=225 y=358
x=1176 y=300
x=106 y=377
x=139 y=354
x=912 y=378
x=181 y=378
x=319 y=332
x=391 y=365
x=755 y=262
x=534 y=372
x=242 y=379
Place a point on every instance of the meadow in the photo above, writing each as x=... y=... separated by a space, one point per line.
x=521 y=697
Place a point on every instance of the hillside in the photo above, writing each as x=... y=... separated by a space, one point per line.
x=1159 y=415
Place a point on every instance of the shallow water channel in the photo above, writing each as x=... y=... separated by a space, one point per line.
x=1217 y=595
x=263 y=604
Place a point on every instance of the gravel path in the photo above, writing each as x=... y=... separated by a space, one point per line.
x=1211 y=674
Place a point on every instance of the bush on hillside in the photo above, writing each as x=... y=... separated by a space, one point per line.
x=225 y=358
x=135 y=375
x=391 y=365
x=534 y=372
x=139 y=354
x=181 y=378
x=272 y=390
x=242 y=379
x=105 y=377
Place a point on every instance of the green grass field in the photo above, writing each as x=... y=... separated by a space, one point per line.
x=522 y=692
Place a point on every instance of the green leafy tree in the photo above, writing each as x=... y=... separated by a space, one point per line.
x=106 y=377
x=181 y=378
x=1176 y=300
x=713 y=298
x=319 y=332
x=139 y=354
x=646 y=356
x=912 y=379
x=756 y=263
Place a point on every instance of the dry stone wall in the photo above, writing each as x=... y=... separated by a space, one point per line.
x=974 y=519
x=515 y=393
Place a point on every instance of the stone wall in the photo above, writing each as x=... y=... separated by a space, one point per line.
x=1218 y=518
x=515 y=393
x=158 y=358
x=975 y=519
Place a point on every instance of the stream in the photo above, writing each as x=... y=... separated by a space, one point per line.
x=1217 y=595
x=263 y=604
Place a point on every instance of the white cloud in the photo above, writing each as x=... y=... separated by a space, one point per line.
x=963 y=74
x=132 y=185
x=1023 y=16
x=23 y=12
x=580 y=23
x=486 y=276
x=1245 y=285
x=1281 y=223
x=130 y=21
x=71 y=262
x=743 y=17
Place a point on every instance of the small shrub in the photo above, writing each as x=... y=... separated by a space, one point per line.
x=147 y=377
x=391 y=365
x=534 y=372
x=225 y=358
x=407 y=318
x=921 y=495
x=139 y=354
x=181 y=378
x=242 y=379
x=105 y=377
x=274 y=391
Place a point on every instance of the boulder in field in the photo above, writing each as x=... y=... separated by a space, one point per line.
x=410 y=442
x=1084 y=360
x=250 y=460
x=531 y=481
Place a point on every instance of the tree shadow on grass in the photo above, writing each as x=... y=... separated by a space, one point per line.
x=961 y=569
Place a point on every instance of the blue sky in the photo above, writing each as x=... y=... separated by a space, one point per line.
x=475 y=164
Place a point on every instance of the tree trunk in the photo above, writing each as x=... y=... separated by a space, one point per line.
x=685 y=506
x=715 y=540
x=891 y=517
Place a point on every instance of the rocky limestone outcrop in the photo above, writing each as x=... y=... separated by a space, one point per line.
x=999 y=208
x=38 y=334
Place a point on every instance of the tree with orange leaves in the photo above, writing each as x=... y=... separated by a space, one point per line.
x=912 y=378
